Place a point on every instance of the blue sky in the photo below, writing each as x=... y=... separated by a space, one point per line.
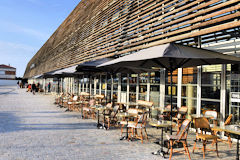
x=25 y=25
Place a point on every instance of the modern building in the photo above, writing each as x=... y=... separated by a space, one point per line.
x=112 y=28
x=7 y=72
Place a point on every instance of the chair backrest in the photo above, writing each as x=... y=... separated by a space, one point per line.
x=132 y=111
x=99 y=96
x=182 y=111
x=183 y=132
x=92 y=102
x=145 y=103
x=168 y=107
x=211 y=113
x=115 y=110
x=201 y=123
x=109 y=105
x=228 y=120
x=75 y=98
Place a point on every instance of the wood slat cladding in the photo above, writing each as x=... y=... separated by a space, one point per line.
x=111 y=28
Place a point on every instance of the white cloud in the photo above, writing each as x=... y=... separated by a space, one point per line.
x=10 y=27
x=16 y=54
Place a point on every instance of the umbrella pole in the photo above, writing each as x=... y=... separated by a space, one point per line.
x=171 y=98
x=58 y=87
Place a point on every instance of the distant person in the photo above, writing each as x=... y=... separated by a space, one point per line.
x=29 y=87
x=34 y=88
x=49 y=87
x=18 y=84
x=38 y=87
x=21 y=85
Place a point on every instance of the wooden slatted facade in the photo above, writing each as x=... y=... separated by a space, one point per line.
x=111 y=28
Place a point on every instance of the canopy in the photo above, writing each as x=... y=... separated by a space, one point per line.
x=38 y=76
x=170 y=56
x=91 y=66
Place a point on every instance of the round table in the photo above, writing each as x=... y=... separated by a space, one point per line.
x=126 y=116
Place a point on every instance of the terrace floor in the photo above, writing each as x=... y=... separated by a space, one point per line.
x=32 y=127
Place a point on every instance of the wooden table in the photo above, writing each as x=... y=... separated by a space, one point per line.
x=233 y=129
x=162 y=125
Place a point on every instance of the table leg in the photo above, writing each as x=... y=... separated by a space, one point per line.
x=98 y=123
x=127 y=131
x=237 y=156
x=126 y=136
x=160 y=152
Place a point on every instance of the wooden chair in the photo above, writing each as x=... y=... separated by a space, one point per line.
x=145 y=105
x=229 y=140
x=73 y=102
x=166 y=115
x=88 y=112
x=212 y=113
x=181 y=137
x=133 y=111
x=99 y=99
x=181 y=116
x=203 y=124
x=140 y=124
x=111 y=118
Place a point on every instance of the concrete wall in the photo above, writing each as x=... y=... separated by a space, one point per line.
x=8 y=82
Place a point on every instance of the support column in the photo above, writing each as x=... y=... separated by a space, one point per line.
x=179 y=90
x=223 y=95
x=137 y=88
x=111 y=88
x=106 y=87
x=162 y=88
x=95 y=85
x=90 y=85
x=100 y=85
x=83 y=85
x=119 y=87
x=199 y=91
x=148 y=87
x=128 y=87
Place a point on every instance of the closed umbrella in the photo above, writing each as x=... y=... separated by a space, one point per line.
x=170 y=56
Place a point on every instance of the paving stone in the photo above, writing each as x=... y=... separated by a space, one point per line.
x=33 y=128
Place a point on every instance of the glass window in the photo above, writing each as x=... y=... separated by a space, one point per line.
x=155 y=88
x=143 y=86
x=132 y=87
x=211 y=86
x=174 y=88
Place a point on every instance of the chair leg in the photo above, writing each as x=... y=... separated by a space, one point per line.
x=146 y=133
x=122 y=129
x=194 y=147
x=229 y=141
x=129 y=133
x=217 y=148
x=204 y=148
x=141 y=136
x=171 y=149
x=186 y=149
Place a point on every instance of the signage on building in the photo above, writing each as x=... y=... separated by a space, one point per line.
x=235 y=97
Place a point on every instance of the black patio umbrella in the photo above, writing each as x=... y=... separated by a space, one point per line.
x=170 y=56
x=90 y=68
